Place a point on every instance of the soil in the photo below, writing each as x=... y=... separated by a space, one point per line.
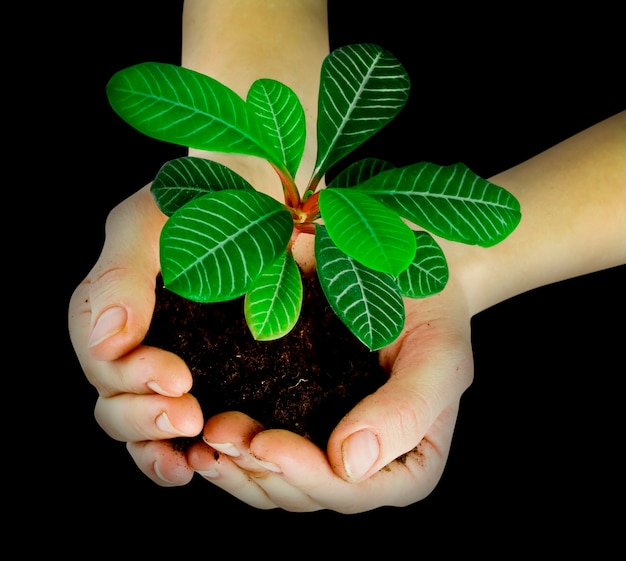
x=304 y=382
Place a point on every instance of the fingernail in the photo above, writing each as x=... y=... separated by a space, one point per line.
x=158 y=389
x=160 y=475
x=210 y=473
x=226 y=448
x=164 y=424
x=359 y=453
x=109 y=323
x=267 y=465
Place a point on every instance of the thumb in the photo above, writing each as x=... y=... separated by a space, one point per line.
x=419 y=401
x=110 y=311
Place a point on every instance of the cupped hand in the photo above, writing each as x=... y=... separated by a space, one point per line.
x=143 y=394
x=391 y=449
x=399 y=436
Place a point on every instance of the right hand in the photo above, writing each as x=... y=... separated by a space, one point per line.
x=412 y=415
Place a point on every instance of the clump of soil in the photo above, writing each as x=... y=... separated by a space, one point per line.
x=304 y=382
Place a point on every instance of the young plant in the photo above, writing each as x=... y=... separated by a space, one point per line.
x=223 y=239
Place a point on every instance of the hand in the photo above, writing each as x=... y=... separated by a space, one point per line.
x=142 y=391
x=415 y=412
x=431 y=364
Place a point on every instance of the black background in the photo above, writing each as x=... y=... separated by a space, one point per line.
x=536 y=453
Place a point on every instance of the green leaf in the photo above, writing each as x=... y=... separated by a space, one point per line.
x=362 y=88
x=367 y=230
x=358 y=172
x=449 y=201
x=282 y=118
x=184 y=179
x=428 y=273
x=184 y=107
x=272 y=306
x=367 y=302
x=215 y=247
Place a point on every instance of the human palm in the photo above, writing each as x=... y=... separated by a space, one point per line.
x=412 y=417
x=144 y=399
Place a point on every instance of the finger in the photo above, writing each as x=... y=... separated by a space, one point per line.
x=110 y=311
x=431 y=369
x=230 y=434
x=132 y=418
x=142 y=370
x=305 y=467
x=161 y=462
x=222 y=472
x=258 y=487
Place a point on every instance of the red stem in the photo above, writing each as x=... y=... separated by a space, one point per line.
x=310 y=206
x=292 y=197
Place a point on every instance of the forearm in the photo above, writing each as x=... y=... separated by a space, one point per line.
x=239 y=41
x=573 y=203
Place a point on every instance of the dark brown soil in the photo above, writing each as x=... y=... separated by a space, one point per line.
x=305 y=382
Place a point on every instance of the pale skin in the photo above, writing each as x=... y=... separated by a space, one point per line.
x=573 y=200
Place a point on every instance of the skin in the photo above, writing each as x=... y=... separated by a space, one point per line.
x=567 y=230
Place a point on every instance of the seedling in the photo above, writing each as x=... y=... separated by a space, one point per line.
x=372 y=223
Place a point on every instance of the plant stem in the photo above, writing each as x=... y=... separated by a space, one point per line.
x=305 y=228
x=310 y=206
x=290 y=190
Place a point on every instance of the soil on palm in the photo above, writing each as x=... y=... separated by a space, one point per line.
x=304 y=382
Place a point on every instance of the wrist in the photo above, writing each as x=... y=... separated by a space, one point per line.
x=573 y=206
x=240 y=41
